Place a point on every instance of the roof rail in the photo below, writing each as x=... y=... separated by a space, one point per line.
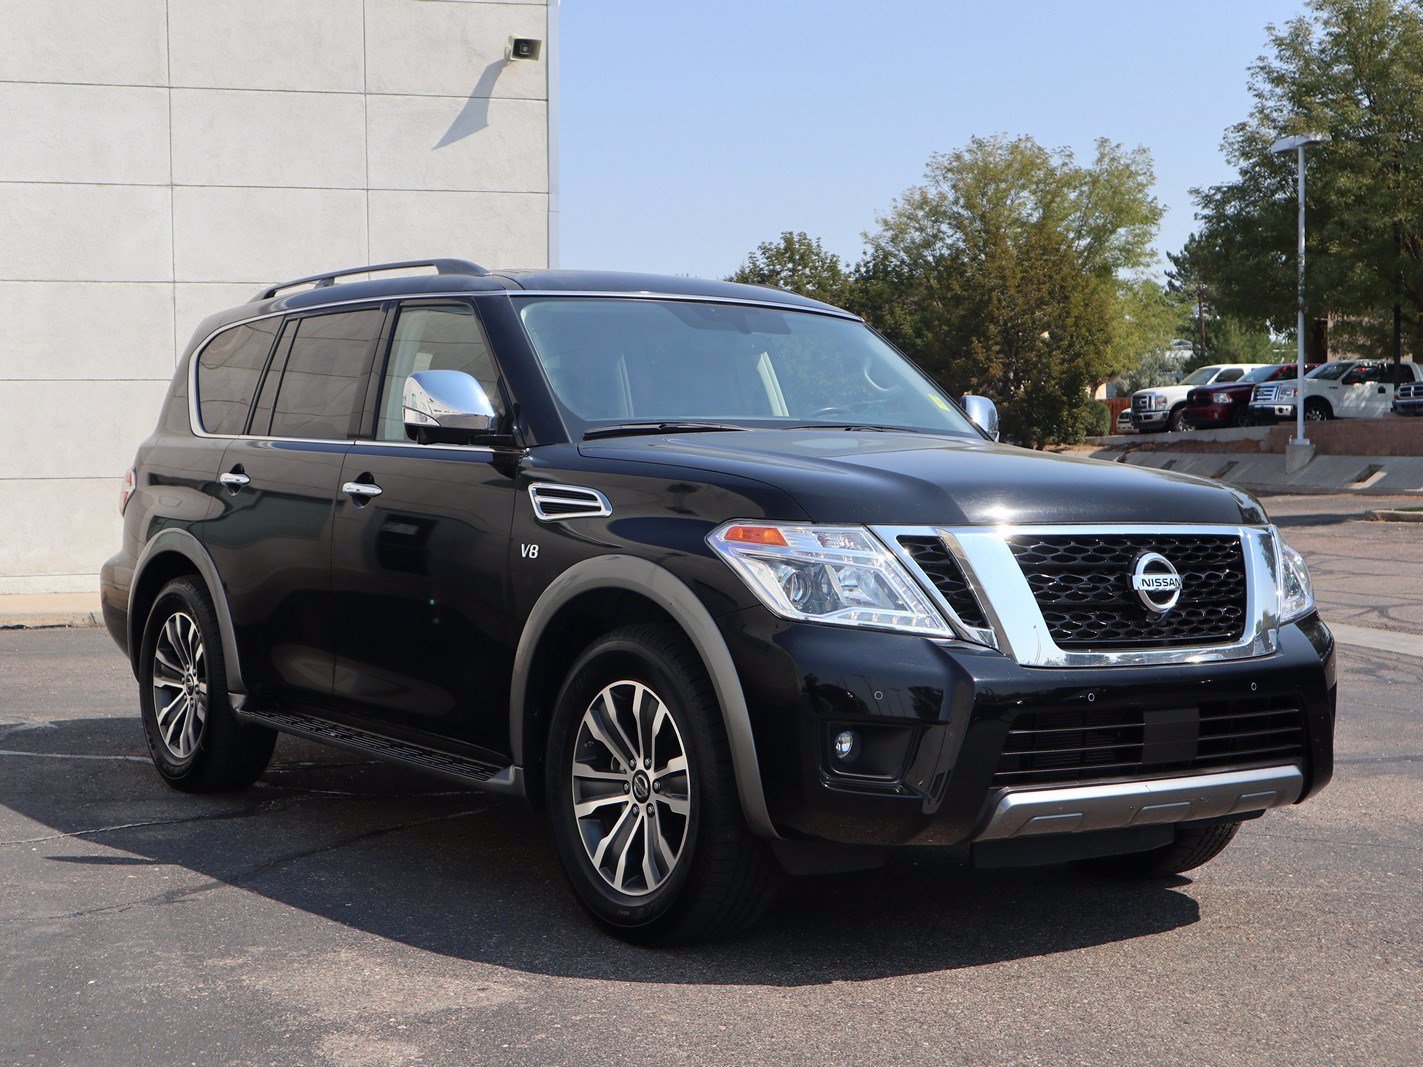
x=321 y=281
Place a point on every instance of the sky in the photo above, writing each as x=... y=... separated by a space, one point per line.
x=692 y=131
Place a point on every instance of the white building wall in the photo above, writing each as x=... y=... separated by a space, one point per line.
x=163 y=159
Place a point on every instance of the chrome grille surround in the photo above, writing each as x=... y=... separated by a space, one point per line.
x=1265 y=394
x=1018 y=628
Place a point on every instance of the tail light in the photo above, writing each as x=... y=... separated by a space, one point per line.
x=130 y=483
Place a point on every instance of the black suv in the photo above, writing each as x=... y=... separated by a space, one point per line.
x=712 y=573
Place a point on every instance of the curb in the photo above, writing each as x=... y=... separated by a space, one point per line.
x=1395 y=515
x=73 y=620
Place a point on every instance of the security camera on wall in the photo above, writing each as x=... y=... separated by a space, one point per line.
x=524 y=48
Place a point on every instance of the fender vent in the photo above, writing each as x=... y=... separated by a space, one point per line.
x=555 y=502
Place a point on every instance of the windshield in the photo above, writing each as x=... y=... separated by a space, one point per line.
x=1330 y=371
x=612 y=361
x=1265 y=374
x=1200 y=376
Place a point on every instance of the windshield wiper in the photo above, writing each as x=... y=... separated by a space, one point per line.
x=630 y=428
x=872 y=427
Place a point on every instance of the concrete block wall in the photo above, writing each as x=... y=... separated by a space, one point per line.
x=163 y=159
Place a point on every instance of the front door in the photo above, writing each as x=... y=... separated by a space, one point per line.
x=272 y=543
x=420 y=554
x=1364 y=394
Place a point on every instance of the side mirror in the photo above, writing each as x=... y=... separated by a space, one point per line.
x=446 y=406
x=983 y=412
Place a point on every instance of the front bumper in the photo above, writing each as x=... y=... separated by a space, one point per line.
x=1408 y=407
x=1149 y=420
x=1272 y=412
x=1208 y=415
x=935 y=716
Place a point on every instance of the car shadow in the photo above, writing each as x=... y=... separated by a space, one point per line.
x=402 y=855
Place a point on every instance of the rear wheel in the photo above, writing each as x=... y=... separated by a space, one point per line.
x=1194 y=846
x=197 y=743
x=643 y=799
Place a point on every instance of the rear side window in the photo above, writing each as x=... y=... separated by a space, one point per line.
x=1233 y=374
x=434 y=338
x=228 y=371
x=322 y=383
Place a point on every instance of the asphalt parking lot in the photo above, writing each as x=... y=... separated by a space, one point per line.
x=350 y=913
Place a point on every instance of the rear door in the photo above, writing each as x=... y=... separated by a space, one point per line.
x=272 y=544
x=420 y=569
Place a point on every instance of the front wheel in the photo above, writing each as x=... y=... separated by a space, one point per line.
x=1316 y=411
x=1193 y=847
x=1177 y=421
x=640 y=788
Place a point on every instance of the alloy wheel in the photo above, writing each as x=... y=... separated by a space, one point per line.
x=180 y=686
x=632 y=787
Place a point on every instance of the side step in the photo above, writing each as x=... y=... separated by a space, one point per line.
x=486 y=776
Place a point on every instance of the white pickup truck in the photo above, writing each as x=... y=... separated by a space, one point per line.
x=1344 y=389
x=1162 y=407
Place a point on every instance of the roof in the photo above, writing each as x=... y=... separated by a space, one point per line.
x=571 y=281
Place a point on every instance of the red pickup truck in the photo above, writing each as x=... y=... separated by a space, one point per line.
x=1229 y=405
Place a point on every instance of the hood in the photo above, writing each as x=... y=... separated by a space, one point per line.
x=912 y=479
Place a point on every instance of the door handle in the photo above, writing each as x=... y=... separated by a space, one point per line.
x=361 y=491
x=234 y=480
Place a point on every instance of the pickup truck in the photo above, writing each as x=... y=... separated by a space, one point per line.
x=1346 y=388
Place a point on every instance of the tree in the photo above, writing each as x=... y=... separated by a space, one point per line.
x=1012 y=271
x=799 y=263
x=1352 y=69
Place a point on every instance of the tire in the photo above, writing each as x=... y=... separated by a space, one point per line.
x=704 y=875
x=1316 y=411
x=1193 y=847
x=1177 y=422
x=1241 y=416
x=197 y=744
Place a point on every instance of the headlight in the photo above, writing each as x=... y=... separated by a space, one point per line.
x=1296 y=592
x=1158 y=402
x=832 y=574
x=1220 y=398
x=1288 y=392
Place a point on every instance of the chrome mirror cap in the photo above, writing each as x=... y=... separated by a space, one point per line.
x=983 y=412
x=446 y=400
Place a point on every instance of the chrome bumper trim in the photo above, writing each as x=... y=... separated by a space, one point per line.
x=1073 y=809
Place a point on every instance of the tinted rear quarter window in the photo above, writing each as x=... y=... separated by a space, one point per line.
x=323 y=381
x=228 y=371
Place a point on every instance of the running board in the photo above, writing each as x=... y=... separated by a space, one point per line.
x=487 y=776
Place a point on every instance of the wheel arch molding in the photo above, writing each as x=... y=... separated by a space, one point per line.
x=154 y=568
x=614 y=574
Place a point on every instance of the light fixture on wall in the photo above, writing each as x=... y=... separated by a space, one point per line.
x=524 y=48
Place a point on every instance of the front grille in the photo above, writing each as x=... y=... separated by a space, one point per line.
x=1082 y=583
x=1061 y=746
x=939 y=565
x=1410 y=392
x=1141 y=403
x=1265 y=394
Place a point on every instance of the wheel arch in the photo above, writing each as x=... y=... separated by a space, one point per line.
x=169 y=554
x=1320 y=402
x=578 y=604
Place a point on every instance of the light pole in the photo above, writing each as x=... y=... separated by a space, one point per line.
x=1297 y=145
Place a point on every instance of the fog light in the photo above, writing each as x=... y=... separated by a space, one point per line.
x=845 y=744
